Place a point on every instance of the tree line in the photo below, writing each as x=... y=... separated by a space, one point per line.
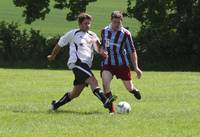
x=169 y=37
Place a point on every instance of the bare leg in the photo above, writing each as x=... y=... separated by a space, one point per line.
x=92 y=82
x=76 y=91
x=95 y=88
x=129 y=85
x=99 y=93
x=132 y=89
x=68 y=96
x=106 y=80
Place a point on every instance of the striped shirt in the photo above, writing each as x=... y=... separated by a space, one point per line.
x=117 y=44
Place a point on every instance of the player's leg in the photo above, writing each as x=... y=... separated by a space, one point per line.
x=83 y=74
x=106 y=80
x=68 y=96
x=99 y=93
x=76 y=91
x=95 y=88
x=124 y=73
x=132 y=89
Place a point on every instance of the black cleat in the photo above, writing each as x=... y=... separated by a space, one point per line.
x=137 y=94
x=53 y=107
x=109 y=101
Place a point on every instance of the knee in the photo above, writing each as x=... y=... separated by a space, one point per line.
x=92 y=81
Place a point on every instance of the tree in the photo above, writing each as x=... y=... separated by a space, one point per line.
x=34 y=9
x=170 y=31
x=37 y=9
x=76 y=7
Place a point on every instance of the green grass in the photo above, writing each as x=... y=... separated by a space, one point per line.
x=55 y=22
x=169 y=107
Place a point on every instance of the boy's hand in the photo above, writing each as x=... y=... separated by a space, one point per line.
x=50 y=58
x=103 y=53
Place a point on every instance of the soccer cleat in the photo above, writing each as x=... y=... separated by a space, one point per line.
x=53 y=107
x=109 y=101
x=111 y=108
x=137 y=94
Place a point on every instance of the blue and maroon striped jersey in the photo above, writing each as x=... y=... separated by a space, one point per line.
x=117 y=44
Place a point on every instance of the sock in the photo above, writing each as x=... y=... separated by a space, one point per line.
x=65 y=99
x=100 y=95
x=111 y=107
x=133 y=91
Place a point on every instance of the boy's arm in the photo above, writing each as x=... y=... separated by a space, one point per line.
x=54 y=52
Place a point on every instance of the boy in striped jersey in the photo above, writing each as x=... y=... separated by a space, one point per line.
x=117 y=42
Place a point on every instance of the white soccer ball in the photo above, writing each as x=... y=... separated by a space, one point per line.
x=123 y=107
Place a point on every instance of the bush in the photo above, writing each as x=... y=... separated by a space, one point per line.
x=26 y=48
x=169 y=38
x=166 y=49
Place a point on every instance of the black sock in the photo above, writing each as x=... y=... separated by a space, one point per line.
x=100 y=95
x=65 y=99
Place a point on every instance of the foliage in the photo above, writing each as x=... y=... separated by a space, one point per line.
x=37 y=9
x=34 y=9
x=170 y=32
x=27 y=48
x=76 y=7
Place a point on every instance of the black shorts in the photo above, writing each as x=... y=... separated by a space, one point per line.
x=81 y=73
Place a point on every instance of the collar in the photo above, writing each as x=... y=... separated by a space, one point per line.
x=110 y=27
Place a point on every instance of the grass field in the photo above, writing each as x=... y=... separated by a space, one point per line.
x=55 y=22
x=169 y=108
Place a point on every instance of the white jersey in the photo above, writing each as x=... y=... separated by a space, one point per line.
x=82 y=46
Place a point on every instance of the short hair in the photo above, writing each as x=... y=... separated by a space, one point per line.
x=83 y=16
x=116 y=15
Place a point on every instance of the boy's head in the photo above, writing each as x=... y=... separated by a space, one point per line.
x=84 y=21
x=116 y=19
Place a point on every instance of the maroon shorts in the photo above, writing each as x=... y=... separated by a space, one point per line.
x=122 y=72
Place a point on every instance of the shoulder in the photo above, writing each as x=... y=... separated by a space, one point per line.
x=91 y=33
x=72 y=32
x=76 y=31
x=104 y=29
x=125 y=31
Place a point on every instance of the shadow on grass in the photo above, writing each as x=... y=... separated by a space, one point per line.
x=60 y=112
x=75 y=112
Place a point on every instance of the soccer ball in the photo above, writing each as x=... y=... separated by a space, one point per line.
x=123 y=107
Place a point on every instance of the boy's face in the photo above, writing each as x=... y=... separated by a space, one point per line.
x=116 y=23
x=85 y=25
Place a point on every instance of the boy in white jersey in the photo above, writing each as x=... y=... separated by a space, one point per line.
x=82 y=43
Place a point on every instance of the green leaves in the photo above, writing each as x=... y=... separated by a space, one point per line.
x=37 y=9
x=167 y=32
x=34 y=9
